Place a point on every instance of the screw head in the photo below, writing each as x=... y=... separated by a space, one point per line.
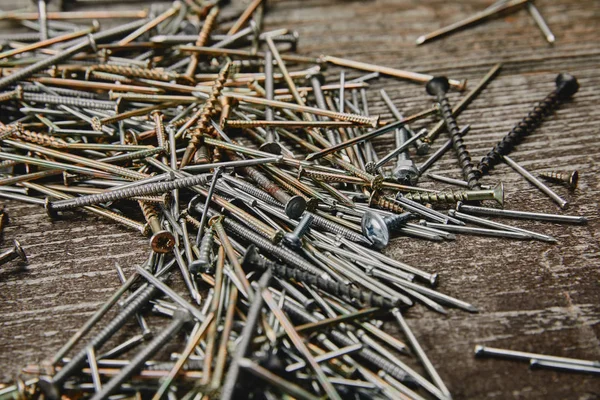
x=499 y=193
x=573 y=179
x=295 y=207
x=566 y=85
x=50 y=390
x=292 y=241
x=162 y=242
x=19 y=251
x=375 y=229
x=438 y=85
x=271 y=147
x=48 y=207
x=252 y=259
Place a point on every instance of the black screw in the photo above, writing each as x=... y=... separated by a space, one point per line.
x=438 y=87
x=253 y=260
x=15 y=252
x=566 y=86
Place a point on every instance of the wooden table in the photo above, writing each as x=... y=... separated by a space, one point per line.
x=532 y=296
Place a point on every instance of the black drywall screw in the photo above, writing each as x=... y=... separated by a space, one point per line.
x=252 y=259
x=438 y=87
x=50 y=386
x=180 y=318
x=566 y=86
x=15 y=252
x=377 y=228
x=293 y=239
x=566 y=178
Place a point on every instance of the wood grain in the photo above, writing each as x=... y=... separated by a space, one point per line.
x=532 y=296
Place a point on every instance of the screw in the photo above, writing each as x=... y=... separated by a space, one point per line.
x=293 y=239
x=566 y=178
x=204 y=261
x=162 y=241
x=465 y=101
x=438 y=87
x=294 y=205
x=497 y=194
x=253 y=260
x=566 y=86
x=536 y=182
x=180 y=318
x=205 y=114
x=15 y=252
x=441 y=151
x=377 y=228
x=16 y=94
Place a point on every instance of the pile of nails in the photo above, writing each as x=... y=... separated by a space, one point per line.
x=261 y=188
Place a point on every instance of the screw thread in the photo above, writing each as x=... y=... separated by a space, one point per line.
x=396 y=221
x=140 y=359
x=337 y=289
x=253 y=191
x=39 y=138
x=151 y=188
x=304 y=225
x=385 y=203
x=138 y=72
x=471 y=175
x=520 y=131
x=149 y=210
x=69 y=101
x=338 y=229
x=205 y=251
x=105 y=334
x=267 y=185
x=159 y=129
x=440 y=197
x=207 y=27
x=282 y=253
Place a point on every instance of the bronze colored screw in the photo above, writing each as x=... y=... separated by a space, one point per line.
x=385 y=203
x=16 y=94
x=156 y=73
x=157 y=116
x=205 y=115
x=207 y=27
x=243 y=124
x=358 y=119
x=162 y=241
x=497 y=194
x=566 y=178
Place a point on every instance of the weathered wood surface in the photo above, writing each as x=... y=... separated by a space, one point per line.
x=532 y=296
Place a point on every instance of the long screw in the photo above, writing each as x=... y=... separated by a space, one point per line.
x=566 y=86
x=497 y=194
x=253 y=260
x=15 y=252
x=438 y=87
x=180 y=318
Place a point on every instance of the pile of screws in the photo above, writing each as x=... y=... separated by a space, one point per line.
x=260 y=186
